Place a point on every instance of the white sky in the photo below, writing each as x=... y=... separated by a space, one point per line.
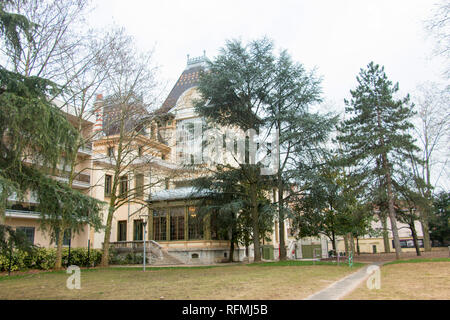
x=336 y=37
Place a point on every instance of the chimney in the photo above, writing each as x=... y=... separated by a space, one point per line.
x=98 y=110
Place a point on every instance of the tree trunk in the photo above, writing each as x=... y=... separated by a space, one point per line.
x=426 y=234
x=387 y=245
x=346 y=240
x=230 y=258
x=414 y=235
x=2 y=216
x=387 y=174
x=255 y=216
x=398 y=249
x=351 y=243
x=281 y=218
x=232 y=243
x=59 y=244
x=105 y=254
x=357 y=246
x=427 y=212
x=333 y=242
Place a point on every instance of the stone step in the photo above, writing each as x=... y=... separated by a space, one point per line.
x=166 y=259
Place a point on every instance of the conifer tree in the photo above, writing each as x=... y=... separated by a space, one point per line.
x=234 y=92
x=376 y=131
x=33 y=129
x=293 y=91
x=226 y=194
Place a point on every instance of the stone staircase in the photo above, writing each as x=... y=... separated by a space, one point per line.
x=158 y=256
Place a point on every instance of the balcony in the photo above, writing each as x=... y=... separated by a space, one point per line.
x=86 y=150
x=23 y=214
x=81 y=181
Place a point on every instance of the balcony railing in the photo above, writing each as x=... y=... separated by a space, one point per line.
x=87 y=149
x=22 y=214
x=128 y=244
x=83 y=178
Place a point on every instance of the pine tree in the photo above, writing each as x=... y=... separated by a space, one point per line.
x=32 y=128
x=293 y=91
x=377 y=130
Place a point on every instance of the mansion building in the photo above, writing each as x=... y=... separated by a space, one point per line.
x=164 y=202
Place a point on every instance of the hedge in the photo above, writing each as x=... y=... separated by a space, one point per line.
x=44 y=259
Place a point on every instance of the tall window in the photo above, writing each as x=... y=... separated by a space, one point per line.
x=186 y=141
x=138 y=230
x=123 y=186
x=177 y=223
x=217 y=233
x=167 y=183
x=139 y=185
x=159 y=225
x=195 y=223
x=67 y=236
x=122 y=231
x=108 y=185
x=28 y=232
x=111 y=152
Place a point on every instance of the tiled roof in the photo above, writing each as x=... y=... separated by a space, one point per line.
x=188 y=79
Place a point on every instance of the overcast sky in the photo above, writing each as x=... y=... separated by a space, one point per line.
x=336 y=37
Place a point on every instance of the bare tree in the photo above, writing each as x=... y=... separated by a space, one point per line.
x=55 y=35
x=130 y=88
x=439 y=27
x=54 y=48
x=433 y=133
x=86 y=71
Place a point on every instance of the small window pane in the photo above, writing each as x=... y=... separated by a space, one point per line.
x=195 y=224
x=108 y=185
x=159 y=225
x=138 y=230
x=122 y=231
x=139 y=185
x=177 y=223
x=28 y=231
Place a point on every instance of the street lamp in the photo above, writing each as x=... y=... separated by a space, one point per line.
x=144 y=223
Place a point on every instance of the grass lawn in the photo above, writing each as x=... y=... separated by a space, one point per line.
x=257 y=281
x=418 y=279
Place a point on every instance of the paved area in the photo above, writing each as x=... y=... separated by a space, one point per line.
x=344 y=286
